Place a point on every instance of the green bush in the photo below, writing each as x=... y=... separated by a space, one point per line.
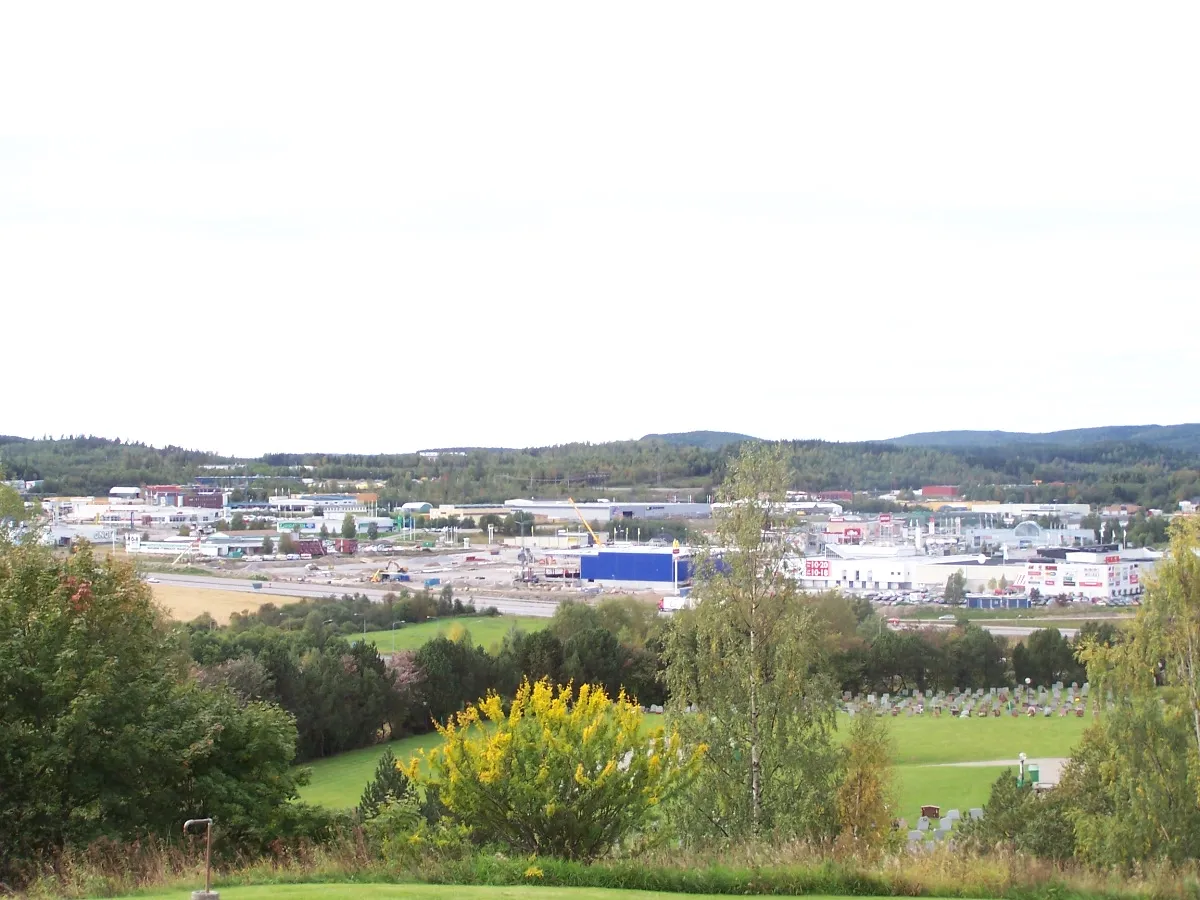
x=1017 y=819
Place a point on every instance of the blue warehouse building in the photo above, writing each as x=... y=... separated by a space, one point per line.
x=636 y=565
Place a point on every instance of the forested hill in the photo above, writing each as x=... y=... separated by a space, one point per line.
x=710 y=440
x=651 y=468
x=1173 y=437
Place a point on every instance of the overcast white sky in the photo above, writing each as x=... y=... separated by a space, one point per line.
x=251 y=227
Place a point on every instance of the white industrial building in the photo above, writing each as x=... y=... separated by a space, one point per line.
x=1028 y=534
x=604 y=510
x=213 y=545
x=132 y=515
x=333 y=524
x=305 y=504
x=1089 y=573
x=1063 y=511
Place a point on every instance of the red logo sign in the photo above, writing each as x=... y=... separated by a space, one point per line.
x=816 y=568
x=885 y=518
x=1109 y=560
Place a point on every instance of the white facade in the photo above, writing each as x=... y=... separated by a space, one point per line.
x=138 y=515
x=306 y=503
x=1092 y=575
x=1032 y=510
x=562 y=511
x=333 y=524
x=135 y=544
x=1117 y=574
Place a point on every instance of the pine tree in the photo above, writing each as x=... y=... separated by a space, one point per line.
x=389 y=783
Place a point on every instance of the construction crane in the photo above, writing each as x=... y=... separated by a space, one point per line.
x=595 y=540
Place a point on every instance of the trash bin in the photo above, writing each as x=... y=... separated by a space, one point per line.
x=1033 y=776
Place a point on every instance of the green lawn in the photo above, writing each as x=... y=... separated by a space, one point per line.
x=485 y=630
x=338 y=781
x=949 y=787
x=923 y=740
x=428 y=892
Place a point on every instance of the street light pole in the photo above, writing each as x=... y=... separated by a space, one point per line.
x=394 y=634
x=207 y=852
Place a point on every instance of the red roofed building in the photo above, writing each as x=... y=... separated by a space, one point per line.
x=939 y=492
x=836 y=496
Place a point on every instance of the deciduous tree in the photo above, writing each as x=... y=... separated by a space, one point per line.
x=103 y=733
x=748 y=660
x=956 y=587
x=865 y=795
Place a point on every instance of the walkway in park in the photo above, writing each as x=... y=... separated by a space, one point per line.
x=1049 y=768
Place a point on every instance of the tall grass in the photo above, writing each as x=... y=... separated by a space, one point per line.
x=107 y=869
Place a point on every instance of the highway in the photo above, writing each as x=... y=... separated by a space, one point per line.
x=507 y=605
x=1018 y=631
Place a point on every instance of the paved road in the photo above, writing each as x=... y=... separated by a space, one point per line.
x=506 y=605
x=1006 y=630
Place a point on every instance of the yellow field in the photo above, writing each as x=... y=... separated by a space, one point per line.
x=185 y=603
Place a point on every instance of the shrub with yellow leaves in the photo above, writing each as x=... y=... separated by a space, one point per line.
x=562 y=773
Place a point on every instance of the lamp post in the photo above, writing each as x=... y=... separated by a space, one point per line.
x=398 y=621
x=364 y=618
x=208 y=893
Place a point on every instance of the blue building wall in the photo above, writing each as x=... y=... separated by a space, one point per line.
x=615 y=565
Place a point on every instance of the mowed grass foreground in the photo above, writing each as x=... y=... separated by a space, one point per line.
x=923 y=745
x=430 y=892
x=485 y=631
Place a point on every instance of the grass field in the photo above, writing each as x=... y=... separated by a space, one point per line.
x=185 y=603
x=921 y=744
x=338 y=781
x=922 y=740
x=945 y=786
x=487 y=631
x=434 y=892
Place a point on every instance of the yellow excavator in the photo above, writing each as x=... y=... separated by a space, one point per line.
x=382 y=574
x=595 y=540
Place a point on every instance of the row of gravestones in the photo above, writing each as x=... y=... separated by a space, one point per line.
x=927 y=833
x=996 y=702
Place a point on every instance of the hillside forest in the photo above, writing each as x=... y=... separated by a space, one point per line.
x=1101 y=472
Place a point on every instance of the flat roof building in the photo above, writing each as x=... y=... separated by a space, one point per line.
x=604 y=510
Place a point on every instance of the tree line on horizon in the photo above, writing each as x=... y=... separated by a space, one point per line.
x=1098 y=474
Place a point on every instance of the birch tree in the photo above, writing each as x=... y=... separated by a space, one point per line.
x=1163 y=644
x=747 y=659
